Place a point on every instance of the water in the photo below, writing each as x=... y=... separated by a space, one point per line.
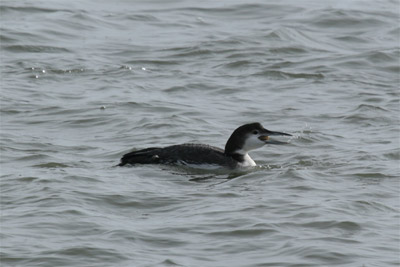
x=82 y=83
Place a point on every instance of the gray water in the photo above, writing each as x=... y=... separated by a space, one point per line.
x=84 y=82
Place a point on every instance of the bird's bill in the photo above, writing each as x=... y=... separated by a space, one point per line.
x=266 y=137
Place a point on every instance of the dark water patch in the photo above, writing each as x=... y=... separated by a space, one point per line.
x=57 y=34
x=190 y=87
x=85 y=122
x=144 y=202
x=317 y=255
x=294 y=173
x=208 y=178
x=210 y=175
x=27 y=179
x=35 y=49
x=83 y=255
x=339 y=240
x=371 y=206
x=143 y=62
x=375 y=99
x=223 y=195
x=194 y=52
x=304 y=188
x=351 y=39
x=5 y=10
x=371 y=175
x=169 y=262
x=138 y=17
x=344 y=225
x=367 y=107
x=150 y=108
x=272 y=35
x=377 y=60
x=354 y=63
x=239 y=64
x=118 y=234
x=39 y=261
x=29 y=37
x=287 y=75
x=243 y=233
x=81 y=178
x=78 y=22
x=305 y=163
x=395 y=154
x=34 y=157
x=54 y=111
x=365 y=119
x=7 y=39
x=323 y=255
x=87 y=252
x=44 y=199
x=51 y=165
x=346 y=20
x=245 y=55
x=161 y=242
x=207 y=50
x=288 y=50
x=243 y=11
x=394 y=69
x=382 y=57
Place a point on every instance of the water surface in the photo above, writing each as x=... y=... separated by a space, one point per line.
x=83 y=83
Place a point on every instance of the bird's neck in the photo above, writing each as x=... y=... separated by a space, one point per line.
x=232 y=147
x=238 y=157
x=244 y=160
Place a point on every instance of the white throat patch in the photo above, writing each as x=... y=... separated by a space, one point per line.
x=252 y=142
x=248 y=162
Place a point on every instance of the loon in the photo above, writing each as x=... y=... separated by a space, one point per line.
x=244 y=139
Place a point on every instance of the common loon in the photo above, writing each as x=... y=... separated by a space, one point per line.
x=244 y=139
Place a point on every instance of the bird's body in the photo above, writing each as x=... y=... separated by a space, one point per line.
x=185 y=154
x=235 y=155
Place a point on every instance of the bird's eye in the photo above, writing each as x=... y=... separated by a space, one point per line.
x=255 y=132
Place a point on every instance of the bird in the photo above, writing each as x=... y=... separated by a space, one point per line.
x=235 y=155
